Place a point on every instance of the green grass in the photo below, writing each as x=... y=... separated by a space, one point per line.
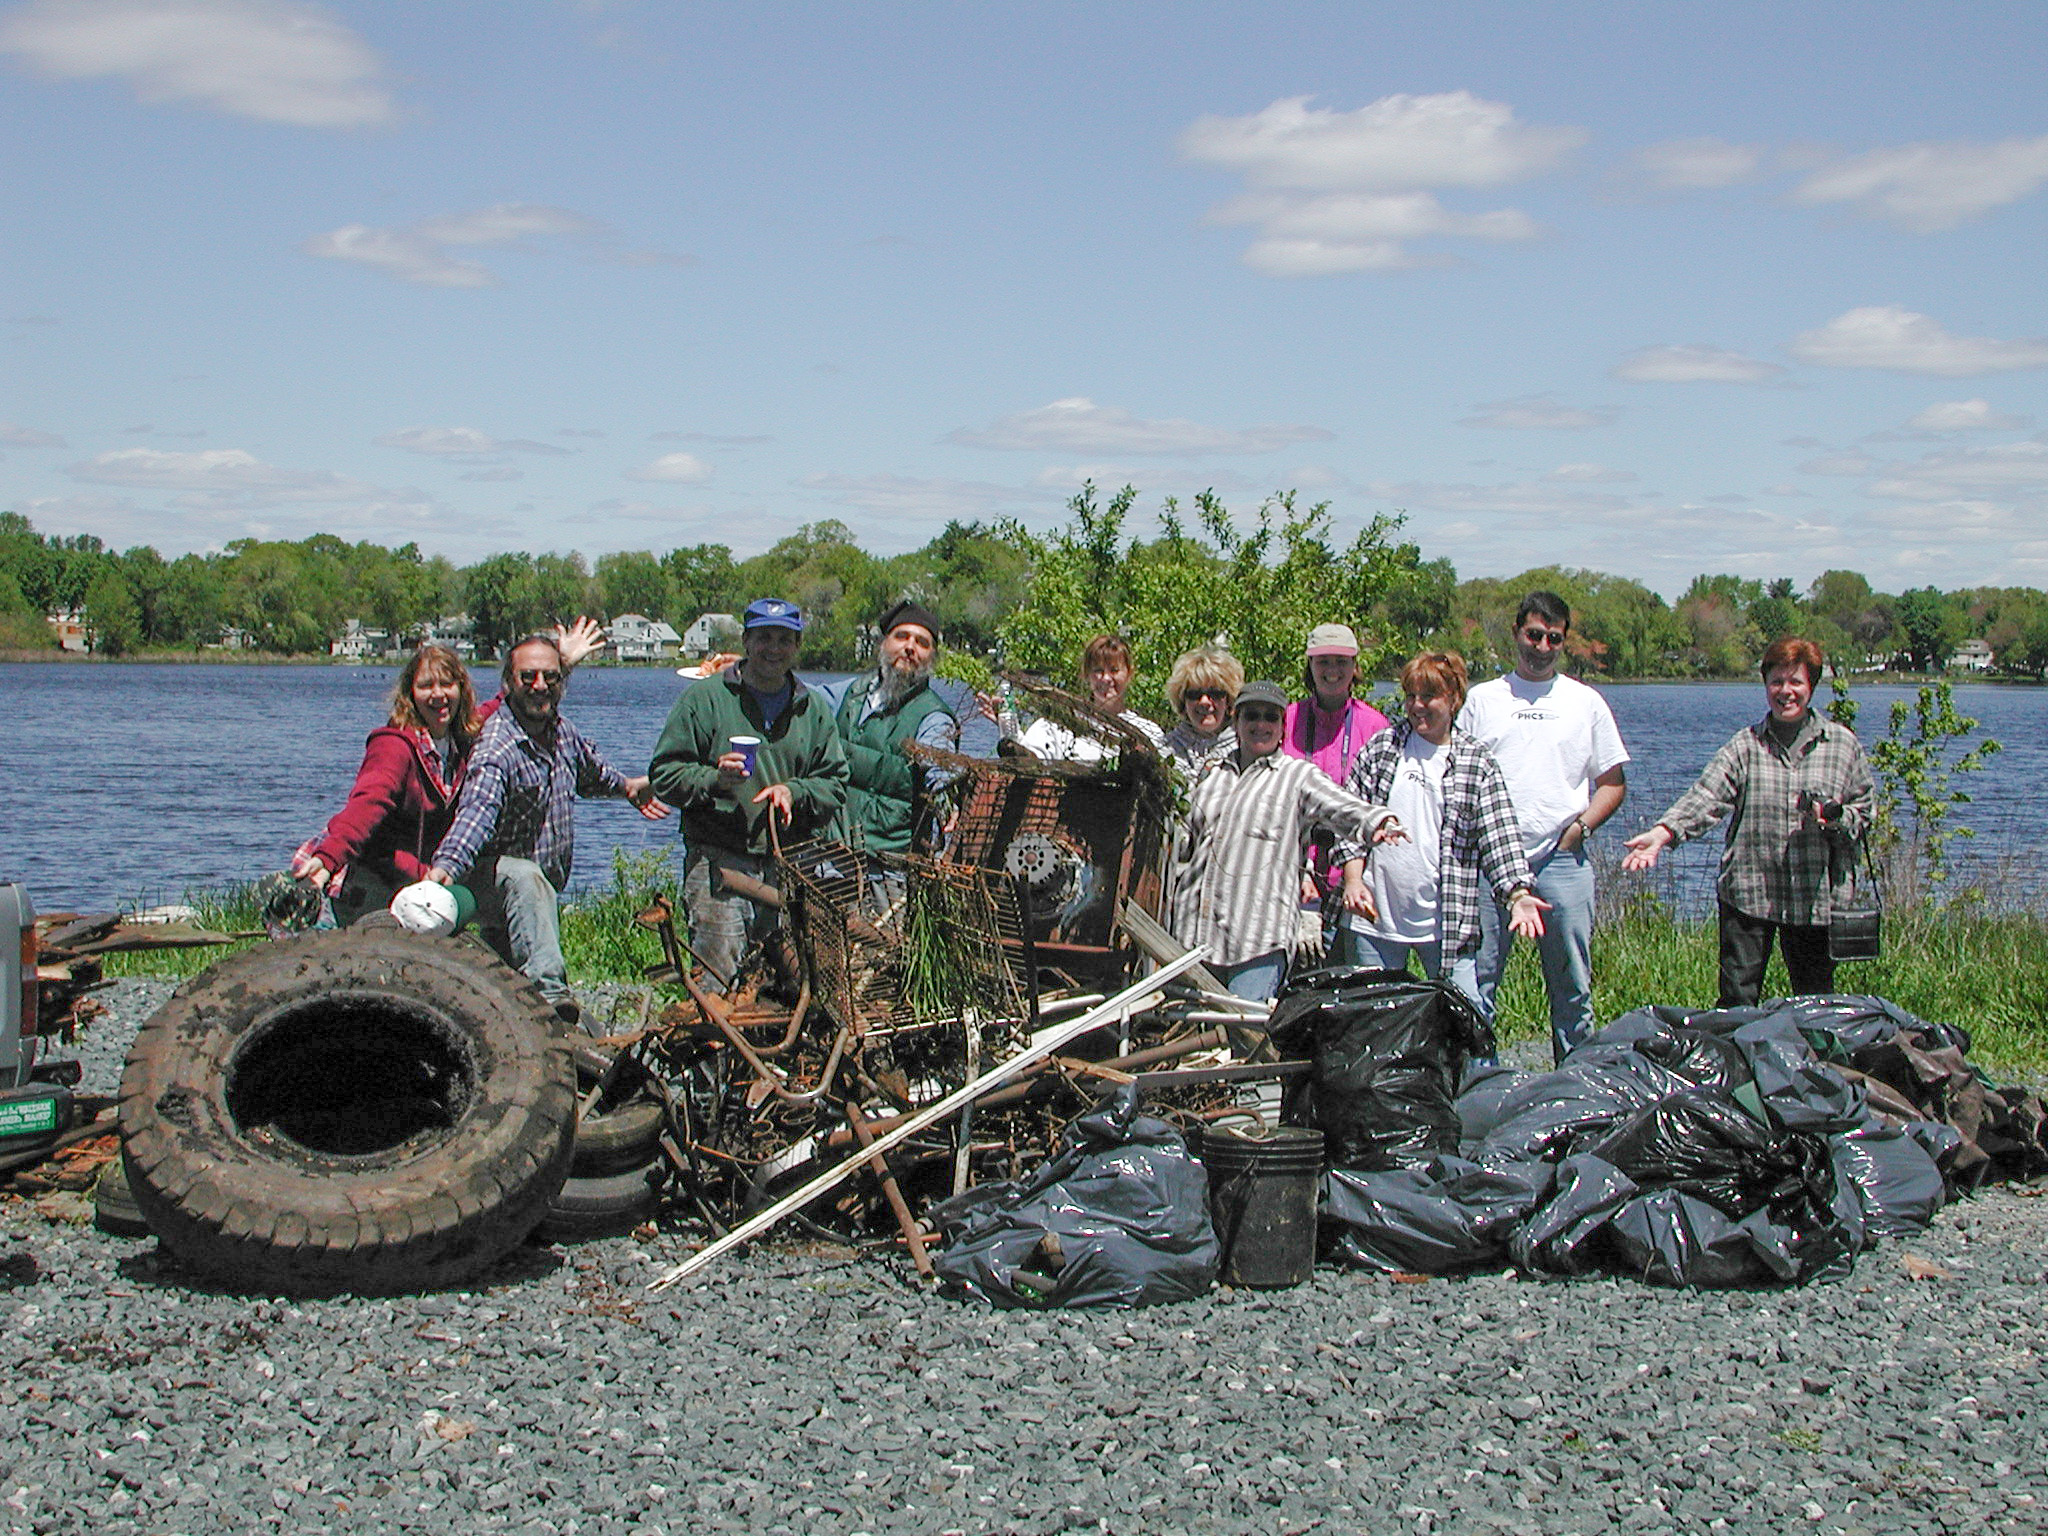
x=1959 y=961
x=1956 y=961
x=600 y=940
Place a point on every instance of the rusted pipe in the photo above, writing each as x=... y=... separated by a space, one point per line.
x=891 y=1192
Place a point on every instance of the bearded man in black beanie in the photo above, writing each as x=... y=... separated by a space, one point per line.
x=877 y=714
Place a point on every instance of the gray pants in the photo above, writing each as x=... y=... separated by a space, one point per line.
x=519 y=913
x=724 y=924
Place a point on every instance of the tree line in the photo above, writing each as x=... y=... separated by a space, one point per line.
x=1003 y=592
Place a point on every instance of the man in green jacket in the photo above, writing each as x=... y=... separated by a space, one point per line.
x=881 y=711
x=751 y=744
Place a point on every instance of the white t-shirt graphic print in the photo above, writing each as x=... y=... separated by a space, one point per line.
x=1552 y=739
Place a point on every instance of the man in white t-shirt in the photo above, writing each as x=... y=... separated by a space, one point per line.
x=1562 y=757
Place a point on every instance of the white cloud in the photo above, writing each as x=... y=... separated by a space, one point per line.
x=1591 y=474
x=1930 y=187
x=674 y=469
x=1886 y=336
x=232 y=480
x=1538 y=413
x=502 y=472
x=28 y=437
x=420 y=253
x=279 y=61
x=1960 y=473
x=1693 y=365
x=902 y=496
x=1153 y=479
x=635 y=510
x=1449 y=140
x=1957 y=518
x=1689 y=165
x=1530 y=498
x=1343 y=191
x=1079 y=425
x=1965 y=416
x=1354 y=231
x=462 y=442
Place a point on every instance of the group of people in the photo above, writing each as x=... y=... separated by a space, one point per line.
x=484 y=796
x=1312 y=823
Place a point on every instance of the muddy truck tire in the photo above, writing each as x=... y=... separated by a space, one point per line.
x=372 y=1112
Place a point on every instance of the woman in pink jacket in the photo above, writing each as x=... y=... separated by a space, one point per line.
x=404 y=795
x=1330 y=729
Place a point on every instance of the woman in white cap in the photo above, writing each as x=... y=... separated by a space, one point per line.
x=1249 y=817
x=1330 y=728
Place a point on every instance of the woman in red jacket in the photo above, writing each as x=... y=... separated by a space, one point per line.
x=404 y=795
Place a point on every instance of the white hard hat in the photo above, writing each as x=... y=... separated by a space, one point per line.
x=427 y=907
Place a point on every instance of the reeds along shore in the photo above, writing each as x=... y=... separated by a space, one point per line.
x=1953 y=955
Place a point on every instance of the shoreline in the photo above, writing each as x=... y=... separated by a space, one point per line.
x=265 y=659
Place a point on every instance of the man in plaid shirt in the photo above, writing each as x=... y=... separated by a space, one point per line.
x=514 y=833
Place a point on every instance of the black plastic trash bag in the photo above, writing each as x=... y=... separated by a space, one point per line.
x=1702 y=1142
x=1600 y=1085
x=1480 y=1097
x=1841 y=1023
x=1702 y=1145
x=1117 y=1217
x=1892 y=1177
x=1387 y=1050
x=1559 y=1238
x=1438 y=1219
x=1669 y=1237
x=1794 y=1085
x=1694 y=1045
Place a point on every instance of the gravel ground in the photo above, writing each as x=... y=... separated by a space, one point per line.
x=804 y=1391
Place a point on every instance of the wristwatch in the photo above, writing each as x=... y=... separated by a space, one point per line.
x=1585 y=831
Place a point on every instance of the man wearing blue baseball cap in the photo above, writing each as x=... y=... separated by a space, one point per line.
x=750 y=746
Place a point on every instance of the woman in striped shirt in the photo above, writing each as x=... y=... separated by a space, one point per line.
x=1249 y=819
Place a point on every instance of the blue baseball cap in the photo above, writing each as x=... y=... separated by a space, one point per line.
x=764 y=611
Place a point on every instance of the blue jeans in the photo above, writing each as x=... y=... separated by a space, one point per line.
x=1258 y=978
x=1565 y=880
x=520 y=914
x=1392 y=955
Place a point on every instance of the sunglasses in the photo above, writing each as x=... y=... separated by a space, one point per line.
x=1549 y=637
x=1213 y=695
x=536 y=677
x=1259 y=717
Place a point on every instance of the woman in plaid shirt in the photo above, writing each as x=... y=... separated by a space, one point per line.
x=1448 y=792
x=1796 y=791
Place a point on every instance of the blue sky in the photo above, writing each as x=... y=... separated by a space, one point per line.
x=1656 y=289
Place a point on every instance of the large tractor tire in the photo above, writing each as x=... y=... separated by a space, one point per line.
x=359 y=1111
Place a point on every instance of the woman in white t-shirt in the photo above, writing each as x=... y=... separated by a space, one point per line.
x=1447 y=790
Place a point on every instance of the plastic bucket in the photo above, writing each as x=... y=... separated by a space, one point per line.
x=1262 y=1197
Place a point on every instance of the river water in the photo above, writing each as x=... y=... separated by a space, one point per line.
x=136 y=783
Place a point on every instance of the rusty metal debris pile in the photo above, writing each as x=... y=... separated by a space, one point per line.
x=894 y=983
x=46 y=1123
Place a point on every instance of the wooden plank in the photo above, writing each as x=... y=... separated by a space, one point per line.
x=1150 y=935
